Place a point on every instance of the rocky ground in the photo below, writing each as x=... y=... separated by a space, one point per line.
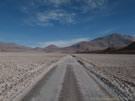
x=19 y=70
x=118 y=71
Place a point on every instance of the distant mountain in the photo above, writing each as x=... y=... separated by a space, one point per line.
x=51 y=48
x=12 y=47
x=114 y=40
x=130 y=49
x=39 y=49
x=55 y=49
x=110 y=41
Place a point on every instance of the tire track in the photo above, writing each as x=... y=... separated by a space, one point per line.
x=70 y=90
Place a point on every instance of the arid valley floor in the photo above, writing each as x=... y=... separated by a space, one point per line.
x=18 y=70
x=64 y=77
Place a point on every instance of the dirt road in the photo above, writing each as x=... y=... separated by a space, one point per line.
x=70 y=90
x=70 y=81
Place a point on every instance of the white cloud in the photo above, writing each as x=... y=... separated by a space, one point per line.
x=95 y=3
x=62 y=43
x=55 y=15
x=90 y=3
x=58 y=2
x=48 y=12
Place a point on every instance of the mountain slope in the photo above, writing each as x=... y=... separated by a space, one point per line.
x=114 y=40
x=51 y=48
x=110 y=41
x=130 y=49
x=12 y=47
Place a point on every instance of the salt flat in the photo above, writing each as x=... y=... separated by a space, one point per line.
x=71 y=78
x=19 y=70
x=69 y=81
x=119 y=70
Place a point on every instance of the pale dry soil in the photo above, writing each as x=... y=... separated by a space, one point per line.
x=70 y=81
x=19 y=70
x=119 y=70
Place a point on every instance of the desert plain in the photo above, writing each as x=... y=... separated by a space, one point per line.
x=19 y=70
x=115 y=70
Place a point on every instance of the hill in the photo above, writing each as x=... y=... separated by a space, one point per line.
x=13 y=47
x=110 y=41
x=130 y=49
x=114 y=40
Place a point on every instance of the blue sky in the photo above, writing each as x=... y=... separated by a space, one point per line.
x=64 y=22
